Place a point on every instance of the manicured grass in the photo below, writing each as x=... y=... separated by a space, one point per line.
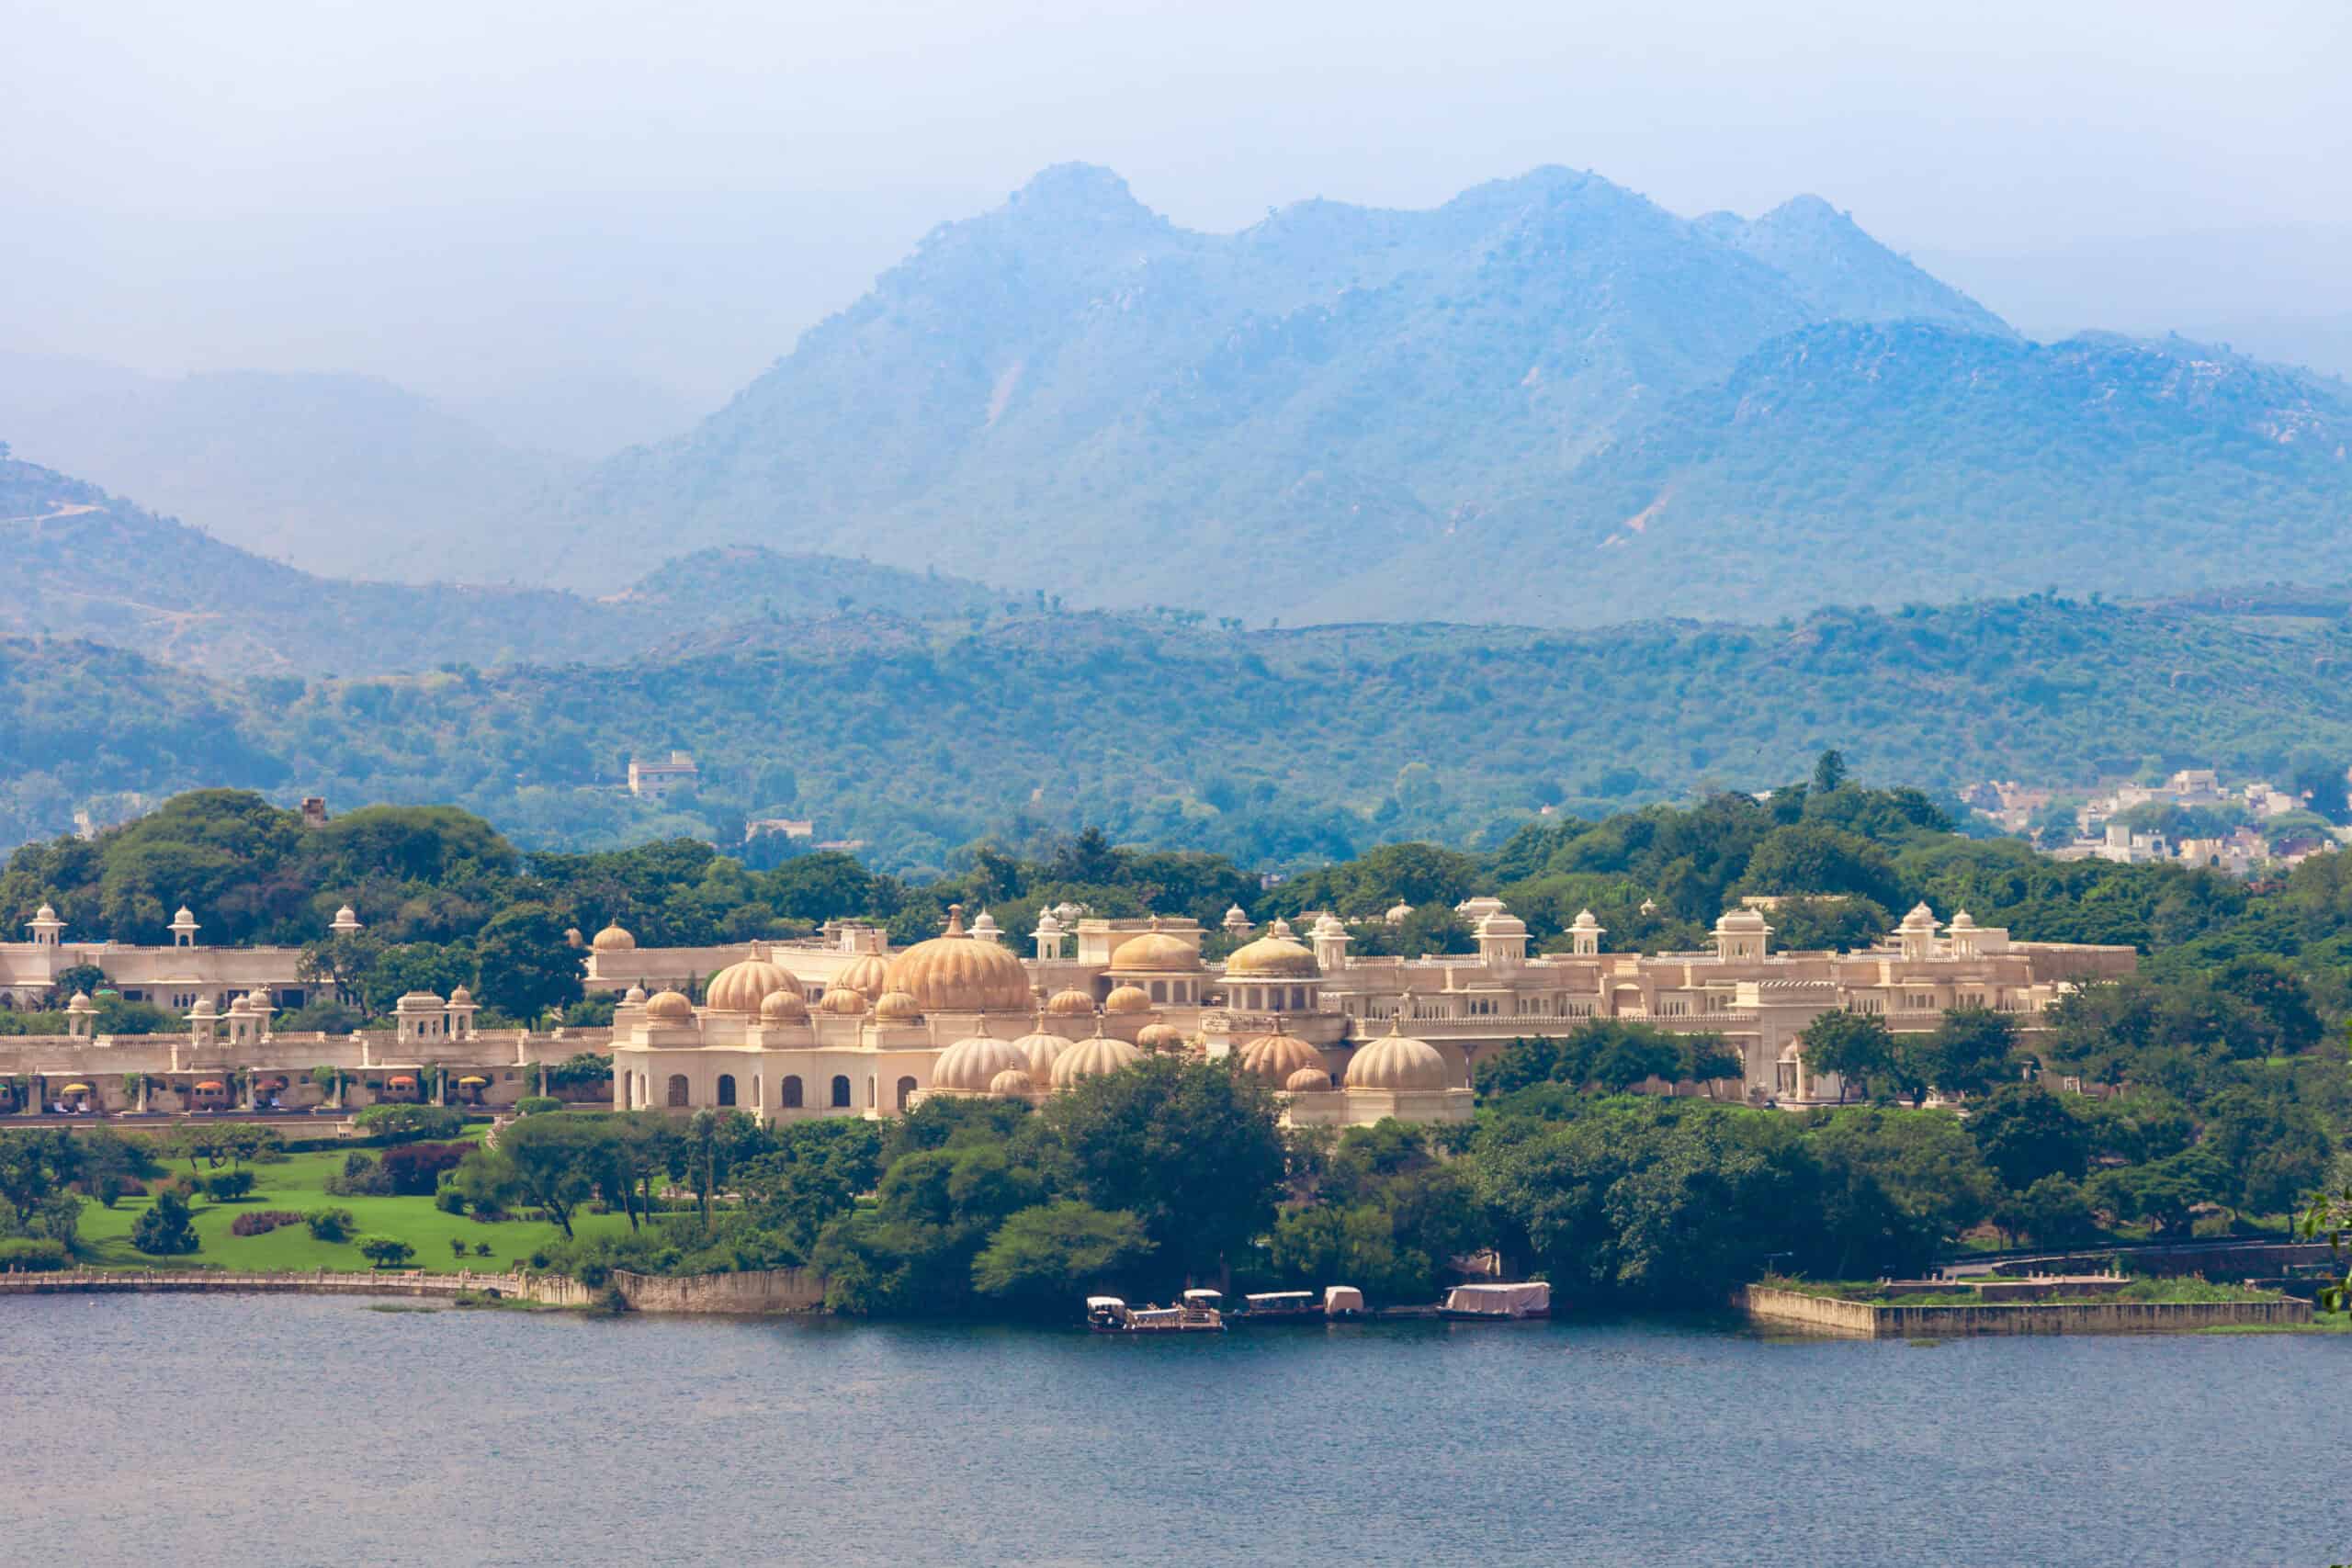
x=299 y=1184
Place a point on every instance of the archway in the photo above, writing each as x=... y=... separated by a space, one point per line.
x=678 y=1091
x=792 y=1092
x=840 y=1092
x=906 y=1092
x=726 y=1089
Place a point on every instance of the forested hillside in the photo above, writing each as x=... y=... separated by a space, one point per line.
x=1276 y=748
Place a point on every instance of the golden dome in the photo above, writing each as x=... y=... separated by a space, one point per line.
x=612 y=939
x=954 y=974
x=669 y=1007
x=1069 y=1004
x=1272 y=958
x=1127 y=998
x=1155 y=951
x=1396 y=1061
x=842 y=1003
x=1041 y=1050
x=1012 y=1084
x=783 y=1006
x=896 y=1007
x=742 y=988
x=1091 y=1058
x=1159 y=1037
x=970 y=1065
x=1308 y=1080
x=1274 y=1057
x=870 y=974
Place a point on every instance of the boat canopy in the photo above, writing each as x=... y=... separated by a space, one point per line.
x=1204 y=1298
x=1342 y=1298
x=1096 y=1303
x=1502 y=1300
x=1281 y=1298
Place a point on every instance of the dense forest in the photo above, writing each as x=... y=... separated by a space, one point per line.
x=1274 y=748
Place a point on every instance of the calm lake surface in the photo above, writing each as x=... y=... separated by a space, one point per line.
x=193 y=1429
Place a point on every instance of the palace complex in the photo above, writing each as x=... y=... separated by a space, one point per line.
x=841 y=1025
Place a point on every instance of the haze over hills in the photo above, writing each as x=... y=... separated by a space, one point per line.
x=85 y=564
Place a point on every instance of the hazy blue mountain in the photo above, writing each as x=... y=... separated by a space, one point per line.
x=1842 y=272
x=1072 y=392
x=342 y=474
x=85 y=564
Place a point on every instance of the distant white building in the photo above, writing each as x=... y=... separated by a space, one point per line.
x=651 y=780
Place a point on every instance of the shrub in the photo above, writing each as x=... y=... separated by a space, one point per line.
x=113 y=1186
x=401 y=1123
x=330 y=1224
x=183 y=1188
x=481 y=1250
x=536 y=1104
x=32 y=1254
x=456 y=1247
x=385 y=1251
x=449 y=1201
x=413 y=1171
x=163 y=1230
x=362 y=1175
x=228 y=1186
x=261 y=1221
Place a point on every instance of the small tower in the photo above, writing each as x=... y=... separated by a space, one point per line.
x=1048 y=936
x=80 y=1016
x=1502 y=937
x=1584 y=936
x=1236 y=924
x=184 y=927
x=203 y=1023
x=45 y=926
x=985 y=929
x=1961 y=934
x=1331 y=939
x=347 y=923
x=461 y=1009
x=420 y=1017
x=1916 y=934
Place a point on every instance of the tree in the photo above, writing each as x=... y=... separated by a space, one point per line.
x=526 y=963
x=554 y=1162
x=36 y=1165
x=1969 y=1051
x=1042 y=1260
x=402 y=1123
x=1855 y=1046
x=1829 y=772
x=2165 y=1193
x=165 y=1229
x=385 y=1251
x=2275 y=1150
x=2026 y=1132
x=2053 y=1212
x=1192 y=1148
x=714 y=1145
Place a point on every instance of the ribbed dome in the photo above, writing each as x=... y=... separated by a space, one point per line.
x=1272 y=958
x=1274 y=1057
x=1012 y=1084
x=1069 y=1004
x=1127 y=998
x=634 y=994
x=1093 y=1059
x=870 y=974
x=741 y=988
x=1396 y=1061
x=1159 y=1037
x=954 y=974
x=612 y=939
x=843 y=1003
x=1308 y=1080
x=1155 y=951
x=669 y=1007
x=896 y=1007
x=1041 y=1050
x=784 y=1007
x=970 y=1065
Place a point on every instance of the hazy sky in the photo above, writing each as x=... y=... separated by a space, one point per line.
x=481 y=199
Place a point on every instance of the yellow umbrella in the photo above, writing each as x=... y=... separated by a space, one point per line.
x=77 y=1088
x=472 y=1079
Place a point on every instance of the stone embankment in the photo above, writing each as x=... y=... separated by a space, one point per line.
x=752 y=1293
x=1829 y=1314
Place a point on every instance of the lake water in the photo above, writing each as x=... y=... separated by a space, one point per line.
x=196 y=1429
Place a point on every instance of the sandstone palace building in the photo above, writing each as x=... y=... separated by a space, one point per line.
x=841 y=1024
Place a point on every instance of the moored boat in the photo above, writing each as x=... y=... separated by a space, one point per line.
x=1109 y=1315
x=1498 y=1303
x=1280 y=1306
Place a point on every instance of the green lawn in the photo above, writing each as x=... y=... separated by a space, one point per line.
x=298 y=1184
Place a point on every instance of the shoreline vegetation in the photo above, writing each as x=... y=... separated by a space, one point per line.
x=2202 y=1098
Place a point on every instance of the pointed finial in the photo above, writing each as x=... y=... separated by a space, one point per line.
x=954 y=919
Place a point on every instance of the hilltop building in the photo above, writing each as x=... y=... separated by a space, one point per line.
x=653 y=781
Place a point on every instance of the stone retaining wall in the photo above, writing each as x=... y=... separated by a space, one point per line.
x=752 y=1293
x=1827 y=1315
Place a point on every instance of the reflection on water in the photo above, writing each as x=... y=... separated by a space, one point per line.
x=311 y=1430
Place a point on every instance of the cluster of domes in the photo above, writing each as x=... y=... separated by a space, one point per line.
x=952 y=972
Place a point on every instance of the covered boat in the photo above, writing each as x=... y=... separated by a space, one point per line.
x=1109 y=1315
x=1498 y=1303
x=1342 y=1301
x=1280 y=1307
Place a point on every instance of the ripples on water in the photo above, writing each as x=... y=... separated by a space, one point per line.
x=283 y=1430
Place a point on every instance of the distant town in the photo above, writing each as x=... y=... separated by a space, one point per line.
x=2249 y=827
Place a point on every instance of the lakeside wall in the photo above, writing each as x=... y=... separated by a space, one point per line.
x=757 y=1292
x=1823 y=1315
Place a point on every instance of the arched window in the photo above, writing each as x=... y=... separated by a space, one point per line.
x=906 y=1092
x=792 y=1092
x=677 y=1090
x=840 y=1092
x=726 y=1089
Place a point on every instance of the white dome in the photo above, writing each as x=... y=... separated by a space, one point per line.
x=1012 y=1084
x=1397 y=1062
x=971 y=1063
x=1308 y=1080
x=1041 y=1050
x=1094 y=1058
x=669 y=1007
